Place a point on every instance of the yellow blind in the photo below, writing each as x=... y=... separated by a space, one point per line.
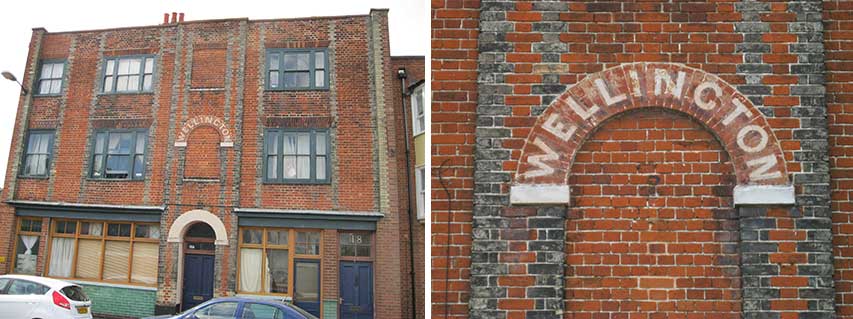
x=88 y=258
x=115 y=260
x=145 y=263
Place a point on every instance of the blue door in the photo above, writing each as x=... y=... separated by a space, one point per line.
x=356 y=290
x=198 y=280
x=307 y=288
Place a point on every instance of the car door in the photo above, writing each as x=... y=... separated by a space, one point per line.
x=23 y=297
x=6 y=300
x=218 y=310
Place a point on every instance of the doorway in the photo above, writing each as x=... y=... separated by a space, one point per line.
x=199 y=259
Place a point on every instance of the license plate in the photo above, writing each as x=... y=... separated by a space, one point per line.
x=82 y=310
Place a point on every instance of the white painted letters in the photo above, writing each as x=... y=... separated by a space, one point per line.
x=711 y=103
x=738 y=110
x=583 y=113
x=609 y=100
x=764 y=165
x=662 y=75
x=556 y=127
x=537 y=160
x=741 y=135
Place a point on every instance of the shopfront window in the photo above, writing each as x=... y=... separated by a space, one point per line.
x=268 y=256
x=27 y=245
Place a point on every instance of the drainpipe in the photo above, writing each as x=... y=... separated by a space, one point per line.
x=401 y=74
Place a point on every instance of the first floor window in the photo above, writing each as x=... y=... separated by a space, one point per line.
x=419 y=185
x=128 y=251
x=292 y=69
x=129 y=74
x=37 y=156
x=27 y=245
x=296 y=156
x=50 y=78
x=267 y=256
x=418 y=123
x=119 y=154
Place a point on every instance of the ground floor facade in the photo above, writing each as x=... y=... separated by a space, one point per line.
x=137 y=261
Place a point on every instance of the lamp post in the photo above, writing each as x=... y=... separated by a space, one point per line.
x=11 y=77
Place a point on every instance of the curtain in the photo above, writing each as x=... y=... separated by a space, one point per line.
x=89 y=257
x=61 y=257
x=250 y=263
x=29 y=242
x=144 y=267
x=115 y=260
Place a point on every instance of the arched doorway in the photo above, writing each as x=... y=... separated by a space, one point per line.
x=199 y=259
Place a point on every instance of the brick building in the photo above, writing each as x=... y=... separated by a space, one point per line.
x=642 y=159
x=161 y=166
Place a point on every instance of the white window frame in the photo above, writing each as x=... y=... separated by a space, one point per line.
x=418 y=120
x=420 y=173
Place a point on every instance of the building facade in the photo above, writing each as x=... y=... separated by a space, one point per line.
x=653 y=159
x=162 y=166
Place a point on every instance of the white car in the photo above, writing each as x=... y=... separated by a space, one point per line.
x=30 y=297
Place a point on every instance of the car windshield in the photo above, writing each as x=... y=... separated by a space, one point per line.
x=75 y=293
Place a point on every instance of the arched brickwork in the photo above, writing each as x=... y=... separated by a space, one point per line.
x=743 y=131
x=652 y=228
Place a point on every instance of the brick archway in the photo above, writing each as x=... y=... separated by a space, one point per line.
x=550 y=148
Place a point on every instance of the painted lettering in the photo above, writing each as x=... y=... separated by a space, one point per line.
x=764 y=164
x=662 y=79
x=738 y=110
x=582 y=112
x=711 y=103
x=635 y=83
x=741 y=138
x=538 y=160
x=608 y=99
x=556 y=127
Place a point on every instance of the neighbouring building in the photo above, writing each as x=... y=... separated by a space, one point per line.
x=164 y=165
x=642 y=159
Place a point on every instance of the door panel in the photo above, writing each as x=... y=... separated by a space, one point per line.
x=356 y=290
x=307 y=286
x=198 y=280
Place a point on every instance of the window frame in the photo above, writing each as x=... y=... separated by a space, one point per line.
x=312 y=86
x=18 y=233
x=37 y=89
x=23 y=164
x=104 y=237
x=105 y=153
x=141 y=74
x=372 y=246
x=418 y=120
x=292 y=256
x=312 y=179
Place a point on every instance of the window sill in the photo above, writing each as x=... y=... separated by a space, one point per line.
x=124 y=93
x=33 y=177
x=297 y=183
x=296 y=90
x=418 y=134
x=97 y=179
x=47 y=95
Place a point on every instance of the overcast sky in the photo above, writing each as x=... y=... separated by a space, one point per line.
x=408 y=27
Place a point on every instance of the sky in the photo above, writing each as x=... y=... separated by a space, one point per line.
x=408 y=26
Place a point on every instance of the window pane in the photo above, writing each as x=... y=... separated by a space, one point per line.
x=252 y=236
x=289 y=143
x=274 y=62
x=23 y=287
x=321 y=143
x=88 y=258
x=222 y=310
x=307 y=286
x=147 y=231
x=44 y=142
x=297 y=79
x=118 y=166
x=66 y=227
x=138 y=166
x=57 y=71
x=110 y=67
x=277 y=237
x=124 y=66
x=149 y=65
x=135 y=66
x=290 y=167
x=61 y=257
x=33 y=144
x=145 y=256
x=108 y=84
x=308 y=243
x=304 y=140
x=26 y=253
x=274 y=79
x=46 y=70
x=250 y=269
x=296 y=61
x=320 y=60
x=259 y=311
x=121 y=83
x=115 y=260
x=118 y=230
x=277 y=265
x=272 y=143
x=303 y=169
x=147 y=80
x=55 y=86
x=92 y=229
x=319 y=78
x=321 y=167
x=140 y=142
x=120 y=143
x=272 y=167
x=97 y=165
x=44 y=87
x=41 y=164
x=133 y=83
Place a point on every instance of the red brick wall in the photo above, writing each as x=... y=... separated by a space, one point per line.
x=203 y=153
x=454 y=102
x=838 y=35
x=652 y=227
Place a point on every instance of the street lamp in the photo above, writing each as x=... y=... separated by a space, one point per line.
x=11 y=77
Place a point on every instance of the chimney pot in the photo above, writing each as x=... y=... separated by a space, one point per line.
x=181 y=17
x=166 y=18
x=174 y=17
